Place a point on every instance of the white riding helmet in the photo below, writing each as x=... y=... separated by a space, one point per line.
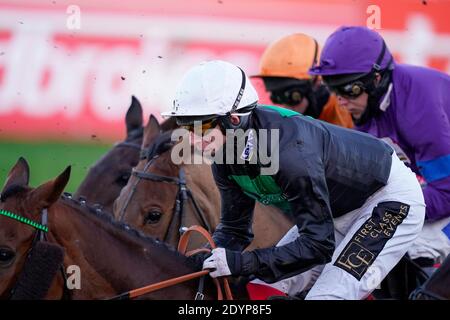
x=212 y=88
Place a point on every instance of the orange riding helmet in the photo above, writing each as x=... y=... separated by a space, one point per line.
x=291 y=56
x=290 y=59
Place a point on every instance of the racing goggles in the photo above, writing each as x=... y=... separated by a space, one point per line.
x=201 y=126
x=351 y=90
x=289 y=97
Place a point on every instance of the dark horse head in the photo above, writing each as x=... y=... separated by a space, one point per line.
x=110 y=174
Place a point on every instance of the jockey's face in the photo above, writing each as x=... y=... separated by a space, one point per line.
x=300 y=108
x=356 y=106
x=213 y=138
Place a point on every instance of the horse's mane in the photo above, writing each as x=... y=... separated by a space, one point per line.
x=98 y=212
x=94 y=211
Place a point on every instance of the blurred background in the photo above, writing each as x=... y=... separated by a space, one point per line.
x=68 y=68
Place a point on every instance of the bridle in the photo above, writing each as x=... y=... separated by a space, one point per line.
x=39 y=235
x=182 y=196
x=420 y=292
x=132 y=135
x=423 y=292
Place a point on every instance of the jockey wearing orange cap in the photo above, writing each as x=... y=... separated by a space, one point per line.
x=284 y=69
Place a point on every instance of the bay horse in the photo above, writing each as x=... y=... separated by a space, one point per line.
x=162 y=197
x=110 y=174
x=111 y=256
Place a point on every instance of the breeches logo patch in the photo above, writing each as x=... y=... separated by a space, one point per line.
x=368 y=241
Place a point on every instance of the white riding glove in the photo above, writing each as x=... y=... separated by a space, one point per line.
x=218 y=263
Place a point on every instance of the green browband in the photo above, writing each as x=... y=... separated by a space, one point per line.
x=24 y=220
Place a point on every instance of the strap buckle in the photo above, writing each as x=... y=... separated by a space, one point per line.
x=199 y=296
x=376 y=67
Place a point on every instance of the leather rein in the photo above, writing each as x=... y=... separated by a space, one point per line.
x=184 y=240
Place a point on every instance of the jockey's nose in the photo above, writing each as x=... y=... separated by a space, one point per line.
x=342 y=101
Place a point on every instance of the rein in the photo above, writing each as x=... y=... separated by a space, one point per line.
x=426 y=290
x=131 y=136
x=422 y=292
x=42 y=229
x=184 y=240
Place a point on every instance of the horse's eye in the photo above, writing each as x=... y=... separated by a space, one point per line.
x=152 y=217
x=123 y=179
x=6 y=256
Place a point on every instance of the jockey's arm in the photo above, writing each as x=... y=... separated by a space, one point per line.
x=428 y=133
x=304 y=185
x=437 y=197
x=234 y=231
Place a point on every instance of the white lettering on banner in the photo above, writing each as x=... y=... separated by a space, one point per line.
x=106 y=77
x=74 y=19
x=374 y=19
x=48 y=70
x=417 y=51
x=67 y=75
x=107 y=94
x=25 y=66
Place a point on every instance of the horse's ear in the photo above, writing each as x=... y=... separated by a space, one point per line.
x=151 y=130
x=47 y=193
x=18 y=175
x=134 y=117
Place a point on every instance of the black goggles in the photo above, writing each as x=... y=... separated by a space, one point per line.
x=351 y=90
x=290 y=97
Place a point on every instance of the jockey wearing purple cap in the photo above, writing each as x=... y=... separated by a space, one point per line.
x=408 y=105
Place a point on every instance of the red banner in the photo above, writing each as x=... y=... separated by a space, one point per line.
x=68 y=68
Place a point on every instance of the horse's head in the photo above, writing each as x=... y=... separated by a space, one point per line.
x=21 y=209
x=161 y=196
x=132 y=204
x=111 y=173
